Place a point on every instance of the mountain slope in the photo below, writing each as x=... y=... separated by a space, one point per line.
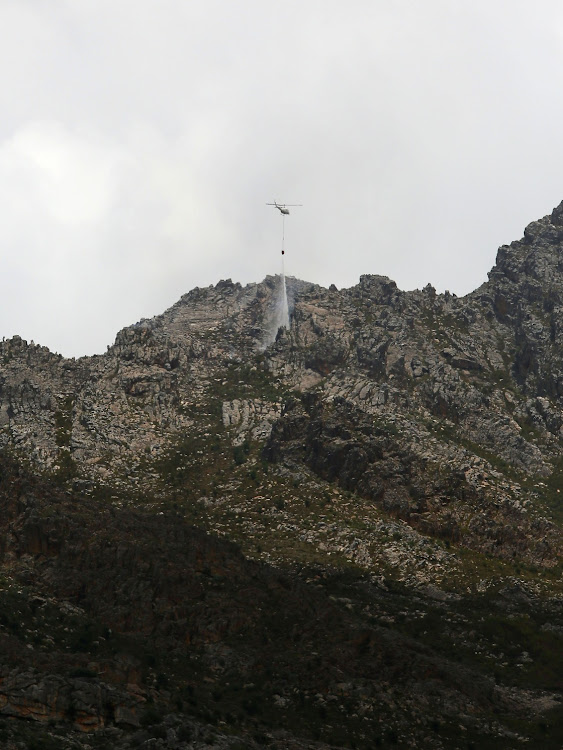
x=392 y=463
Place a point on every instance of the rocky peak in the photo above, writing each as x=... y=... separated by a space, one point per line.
x=403 y=450
x=536 y=259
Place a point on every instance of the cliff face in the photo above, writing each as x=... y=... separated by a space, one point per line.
x=446 y=412
x=406 y=436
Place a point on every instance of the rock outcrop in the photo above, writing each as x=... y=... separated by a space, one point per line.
x=465 y=388
x=413 y=438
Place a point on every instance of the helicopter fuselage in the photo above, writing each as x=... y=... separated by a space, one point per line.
x=283 y=207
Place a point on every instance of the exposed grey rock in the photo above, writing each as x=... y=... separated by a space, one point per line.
x=452 y=406
x=252 y=419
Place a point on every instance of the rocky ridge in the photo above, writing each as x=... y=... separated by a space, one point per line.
x=410 y=439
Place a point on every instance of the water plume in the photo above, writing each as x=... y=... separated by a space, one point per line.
x=282 y=302
x=278 y=314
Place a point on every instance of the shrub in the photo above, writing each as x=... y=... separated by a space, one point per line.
x=239 y=455
x=150 y=717
x=184 y=733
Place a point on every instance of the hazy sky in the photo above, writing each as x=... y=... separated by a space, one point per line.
x=141 y=139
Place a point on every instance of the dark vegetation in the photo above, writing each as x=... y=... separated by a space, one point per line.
x=349 y=539
x=116 y=597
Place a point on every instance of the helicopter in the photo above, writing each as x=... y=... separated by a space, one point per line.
x=283 y=207
x=284 y=211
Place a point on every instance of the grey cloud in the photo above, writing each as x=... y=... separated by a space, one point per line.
x=139 y=144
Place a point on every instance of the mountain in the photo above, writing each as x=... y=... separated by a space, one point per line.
x=345 y=533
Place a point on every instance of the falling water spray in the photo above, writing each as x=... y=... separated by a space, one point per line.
x=284 y=316
x=279 y=317
x=279 y=313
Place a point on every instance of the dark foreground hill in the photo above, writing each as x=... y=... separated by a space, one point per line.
x=342 y=534
x=118 y=626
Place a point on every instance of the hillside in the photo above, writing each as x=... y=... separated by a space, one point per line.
x=347 y=533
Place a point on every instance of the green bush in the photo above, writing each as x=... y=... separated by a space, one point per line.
x=150 y=717
x=184 y=733
x=239 y=455
x=82 y=672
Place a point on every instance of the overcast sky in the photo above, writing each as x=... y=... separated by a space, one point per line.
x=141 y=139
